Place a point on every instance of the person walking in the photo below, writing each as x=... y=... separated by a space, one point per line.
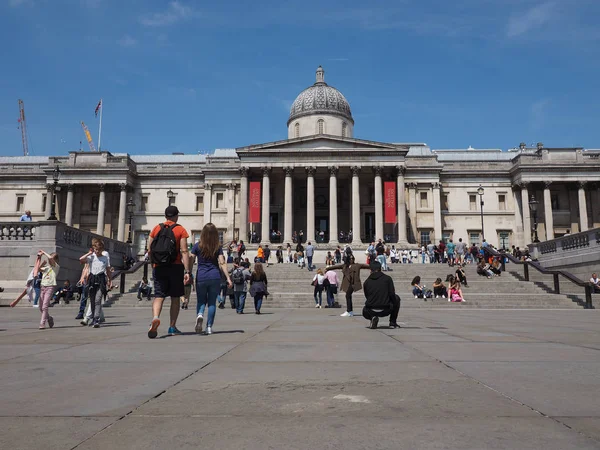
x=310 y=252
x=49 y=268
x=168 y=251
x=460 y=251
x=258 y=286
x=381 y=298
x=332 y=287
x=350 y=281
x=317 y=282
x=188 y=288
x=240 y=275
x=211 y=265
x=99 y=279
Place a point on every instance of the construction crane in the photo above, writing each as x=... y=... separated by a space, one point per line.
x=23 y=126
x=88 y=136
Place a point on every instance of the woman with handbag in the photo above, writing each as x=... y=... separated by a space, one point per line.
x=258 y=286
x=317 y=282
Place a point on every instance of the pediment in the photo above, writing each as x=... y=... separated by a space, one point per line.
x=321 y=142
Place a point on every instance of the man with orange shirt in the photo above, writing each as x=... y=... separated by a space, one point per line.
x=170 y=274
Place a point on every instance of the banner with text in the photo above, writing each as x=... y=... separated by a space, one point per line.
x=389 y=195
x=254 y=202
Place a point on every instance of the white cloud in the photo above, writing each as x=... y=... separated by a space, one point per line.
x=530 y=20
x=127 y=41
x=174 y=13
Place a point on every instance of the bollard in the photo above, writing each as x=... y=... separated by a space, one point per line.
x=556 y=284
x=526 y=271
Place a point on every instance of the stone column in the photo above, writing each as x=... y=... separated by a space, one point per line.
x=122 y=213
x=49 y=193
x=402 y=238
x=207 y=202
x=412 y=202
x=69 y=208
x=526 y=214
x=288 y=205
x=437 y=212
x=519 y=239
x=356 y=205
x=265 y=232
x=101 y=210
x=583 y=216
x=310 y=204
x=378 y=203
x=333 y=206
x=548 y=219
x=231 y=187
x=243 y=203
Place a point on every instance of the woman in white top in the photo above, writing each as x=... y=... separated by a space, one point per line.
x=99 y=278
x=317 y=282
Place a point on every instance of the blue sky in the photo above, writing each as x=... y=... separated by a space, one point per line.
x=189 y=76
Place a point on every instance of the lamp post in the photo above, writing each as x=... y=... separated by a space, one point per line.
x=55 y=177
x=170 y=195
x=533 y=207
x=130 y=206
x=480 y=191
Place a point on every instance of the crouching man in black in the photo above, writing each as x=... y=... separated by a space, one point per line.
x=381 y=297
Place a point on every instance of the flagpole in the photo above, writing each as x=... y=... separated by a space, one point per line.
x=100 y=129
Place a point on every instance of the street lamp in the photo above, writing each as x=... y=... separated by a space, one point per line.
x=55 y=177
x=480 y=191
x=130 y=206
x=170 y=195
x=533 y=207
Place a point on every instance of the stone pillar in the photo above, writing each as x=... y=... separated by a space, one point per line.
x=412 y=202
x=583 y=216
x=243 y=203
x=378 y=203
x=548 y=219
x=527 y=239
x=402 y=238
x=69 y=208
x=519 y=239
x=49 y=193
x=265 y=232
x=356 y=205
x=207 y=202
x=288 y=205
x=122 y=213
x=231 y=187
x=437 y=212
x=333 y=206
x=310 y=204
x=101 y=210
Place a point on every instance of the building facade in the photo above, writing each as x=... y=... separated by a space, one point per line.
x=321 y=180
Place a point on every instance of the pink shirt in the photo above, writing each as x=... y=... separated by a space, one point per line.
x=331 y=275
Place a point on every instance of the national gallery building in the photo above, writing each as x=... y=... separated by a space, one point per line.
x=321 y=180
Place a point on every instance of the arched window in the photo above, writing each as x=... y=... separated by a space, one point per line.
x=297 y=130
x=320 y=126
x=344 y=129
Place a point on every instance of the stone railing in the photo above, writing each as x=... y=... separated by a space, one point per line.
x=575 y=251
x=20 y=241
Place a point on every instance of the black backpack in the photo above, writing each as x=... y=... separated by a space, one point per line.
x=164 y=248
x=238 y=276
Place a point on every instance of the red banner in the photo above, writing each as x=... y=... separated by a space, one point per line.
x=254 y=202
x=389 y=196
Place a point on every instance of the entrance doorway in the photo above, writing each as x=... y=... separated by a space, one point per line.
x=322 y=228
x=369 y=227
x=274 y=230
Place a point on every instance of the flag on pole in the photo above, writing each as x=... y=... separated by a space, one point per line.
x=98 y=107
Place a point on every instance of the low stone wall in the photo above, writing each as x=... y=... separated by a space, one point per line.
x=20 y=241
x=577 y=253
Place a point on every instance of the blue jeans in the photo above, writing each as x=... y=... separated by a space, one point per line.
x=222 y=293
x=310 y=266
x=318 y=295
x=206 y=292
x=258 y=301
x=330 y=297
x=240 y=300
x=417 y=292
x=36 y=298
x=83 y=301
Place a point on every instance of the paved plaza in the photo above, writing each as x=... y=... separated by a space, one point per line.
x=303 y=379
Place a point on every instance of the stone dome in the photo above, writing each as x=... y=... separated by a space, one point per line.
x=320 y=98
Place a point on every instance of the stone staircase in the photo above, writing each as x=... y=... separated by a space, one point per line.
x=290 y=287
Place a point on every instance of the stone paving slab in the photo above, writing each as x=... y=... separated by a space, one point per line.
x=300 y=379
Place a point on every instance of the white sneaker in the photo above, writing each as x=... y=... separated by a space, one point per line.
x=436 y=296
x=34 y=306
x=316 y=306
x=346 y=314
x=199 y=321
x=416 y=296
x=208 y=330
x=443 y=296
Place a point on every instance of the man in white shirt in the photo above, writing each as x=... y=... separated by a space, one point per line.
x=595 y=282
